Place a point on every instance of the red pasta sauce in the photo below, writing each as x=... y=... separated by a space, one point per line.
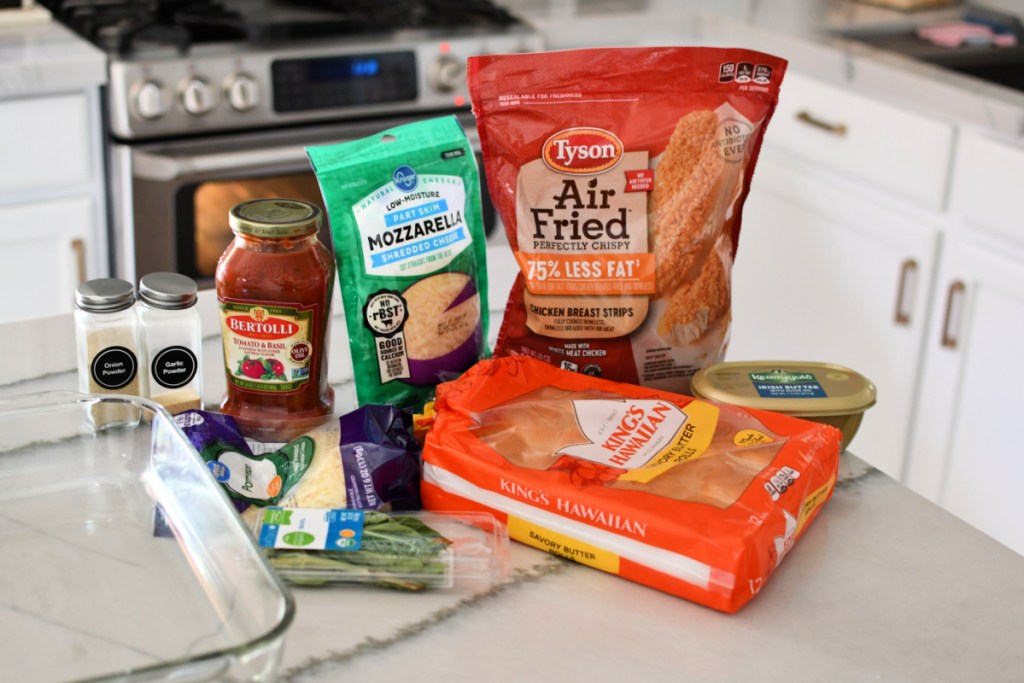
x=274 y=284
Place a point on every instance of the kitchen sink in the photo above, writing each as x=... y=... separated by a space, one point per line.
x=1002 y=66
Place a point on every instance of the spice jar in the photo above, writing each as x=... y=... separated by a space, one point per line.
x=107 y=344
x=274 y=287
x=172 y=340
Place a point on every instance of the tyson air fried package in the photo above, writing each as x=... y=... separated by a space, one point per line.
x=620 y=176
x=696 y=498
x=404 y=208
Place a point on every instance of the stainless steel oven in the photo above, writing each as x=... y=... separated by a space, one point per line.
x=172 y=198
x=210 y=102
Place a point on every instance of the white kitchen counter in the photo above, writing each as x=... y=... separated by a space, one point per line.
x=884 y=586
x=46 y=57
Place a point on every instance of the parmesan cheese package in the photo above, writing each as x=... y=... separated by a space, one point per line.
x=404 y=209
x=620 y=175
x=697 y=498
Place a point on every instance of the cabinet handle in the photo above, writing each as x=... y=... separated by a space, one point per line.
x=834 y=128
x=954 y=295
x=908 y=272
x=78 y=246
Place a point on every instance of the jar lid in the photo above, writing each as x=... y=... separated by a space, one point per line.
x=105 y=295
x=798 y=388
x=275 y=218
x=168 y=290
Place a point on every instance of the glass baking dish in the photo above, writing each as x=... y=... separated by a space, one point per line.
x=120 y=557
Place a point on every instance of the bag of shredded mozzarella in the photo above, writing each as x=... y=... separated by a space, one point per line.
x=404 y=208
x=620 y=176
x=696 y=498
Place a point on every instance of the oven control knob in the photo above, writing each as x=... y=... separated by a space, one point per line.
x=447 y=74
x=242 y=92
x=197 y=97
x=150 y=100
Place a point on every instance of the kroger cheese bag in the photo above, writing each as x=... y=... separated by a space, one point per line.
x=620 y=175
x=696 y=498
x=404 y=208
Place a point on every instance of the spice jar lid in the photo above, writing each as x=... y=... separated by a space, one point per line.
x=105 y=295
x=275 y=218
x=168 y=290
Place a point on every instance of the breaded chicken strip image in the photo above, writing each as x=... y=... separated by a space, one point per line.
x=685 y=197
x=696 y=306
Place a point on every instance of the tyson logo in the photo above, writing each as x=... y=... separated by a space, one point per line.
x=582 y=150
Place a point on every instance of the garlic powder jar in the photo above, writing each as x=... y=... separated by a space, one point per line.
x=172 y=340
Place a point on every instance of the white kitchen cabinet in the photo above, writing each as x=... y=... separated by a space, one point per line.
x=53 y=219
x=862 y=140
x=52 y=209
x=825 y=274
x=966 y=453
x=43 y=254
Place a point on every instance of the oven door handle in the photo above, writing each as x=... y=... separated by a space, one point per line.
x=161 y=167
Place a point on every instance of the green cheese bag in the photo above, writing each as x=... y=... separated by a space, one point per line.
x=404 y=209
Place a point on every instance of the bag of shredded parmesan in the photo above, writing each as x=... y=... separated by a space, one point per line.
x=404 y=208
x=620 y=176
x=367 y=459
x=696 y=498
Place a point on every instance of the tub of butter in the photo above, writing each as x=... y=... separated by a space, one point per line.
x=820 y=392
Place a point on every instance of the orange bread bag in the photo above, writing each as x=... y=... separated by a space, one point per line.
x=695 y=498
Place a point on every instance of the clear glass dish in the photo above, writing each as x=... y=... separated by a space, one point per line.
x=120 y=557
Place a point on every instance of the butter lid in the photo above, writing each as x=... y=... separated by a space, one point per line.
x=797 y=388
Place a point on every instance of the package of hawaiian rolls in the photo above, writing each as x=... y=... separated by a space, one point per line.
x=620 y=175
x=696 y=498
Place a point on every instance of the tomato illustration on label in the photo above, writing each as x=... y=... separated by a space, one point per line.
x=260 y=368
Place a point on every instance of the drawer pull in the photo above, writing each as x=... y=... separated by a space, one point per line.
x=78 y=246
x=905 y=292
x=834 y=128
x=954 y=296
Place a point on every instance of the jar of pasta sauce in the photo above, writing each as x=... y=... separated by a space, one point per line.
x=274 y=287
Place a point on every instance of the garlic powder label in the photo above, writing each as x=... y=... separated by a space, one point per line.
x=414 y=225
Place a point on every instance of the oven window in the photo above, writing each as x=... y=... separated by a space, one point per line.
x=202 y=210
x=209 y=202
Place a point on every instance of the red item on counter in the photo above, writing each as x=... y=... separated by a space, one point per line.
x=274 y=286
x=695 y=498
x=620 y=176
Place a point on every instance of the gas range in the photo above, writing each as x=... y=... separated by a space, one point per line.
x=193 y=67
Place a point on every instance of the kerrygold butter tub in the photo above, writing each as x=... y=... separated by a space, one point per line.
x=820 y=392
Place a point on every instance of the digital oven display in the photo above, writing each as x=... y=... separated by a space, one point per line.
x=344 y=81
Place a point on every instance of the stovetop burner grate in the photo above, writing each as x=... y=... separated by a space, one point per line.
x=126 y=27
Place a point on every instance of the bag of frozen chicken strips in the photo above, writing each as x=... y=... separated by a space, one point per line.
x=696 y=498
x=620 y=175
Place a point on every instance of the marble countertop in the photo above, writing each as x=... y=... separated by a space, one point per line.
x=45 y=57
x=884 y=586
